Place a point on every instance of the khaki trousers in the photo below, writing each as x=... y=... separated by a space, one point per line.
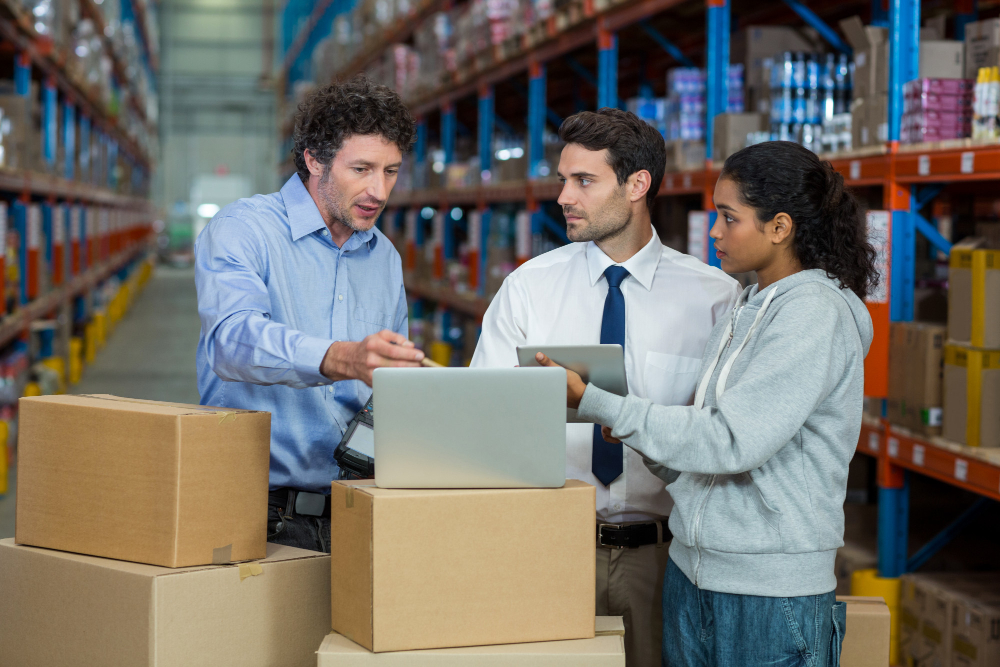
x=630 y=585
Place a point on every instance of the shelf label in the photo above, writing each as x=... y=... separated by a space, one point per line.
x=670 y=182
x=918 y=455
x=893 y=446
x=873 y=441
x=3 y=230
x=34 y=226
x=522 y=234
x=687 y=180
x=961 y=470
x=968 y=162
x=74 y=223
x=58 y=225
x=855 y=169
x=924 y=165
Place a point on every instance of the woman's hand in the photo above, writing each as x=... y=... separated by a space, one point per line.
x=606 y=434
x=574 y=383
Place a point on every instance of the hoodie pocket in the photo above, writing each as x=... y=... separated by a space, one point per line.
x=739 y=520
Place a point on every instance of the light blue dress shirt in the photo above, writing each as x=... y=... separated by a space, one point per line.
x=274 y=292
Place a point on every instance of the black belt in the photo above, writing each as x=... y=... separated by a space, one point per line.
x=617 y=536
x=303 y=503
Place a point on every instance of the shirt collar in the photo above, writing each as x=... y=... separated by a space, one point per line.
x=641 y=266
x=304 y=217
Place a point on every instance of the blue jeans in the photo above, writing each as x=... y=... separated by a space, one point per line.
x=707 y=629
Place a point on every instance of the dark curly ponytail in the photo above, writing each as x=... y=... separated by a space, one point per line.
x=830 y=228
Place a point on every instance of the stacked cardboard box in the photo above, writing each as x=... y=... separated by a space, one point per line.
x=731 y=130
x=982 y=46
x=972 y=358
x=949 y=619
x=915 y=376
x=755 y=47
x=871 y=81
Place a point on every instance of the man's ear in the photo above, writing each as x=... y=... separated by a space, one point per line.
x=639 y=184
x=314 y=166
x=781 y=228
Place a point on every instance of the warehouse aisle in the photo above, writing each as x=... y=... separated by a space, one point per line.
x=151 y=355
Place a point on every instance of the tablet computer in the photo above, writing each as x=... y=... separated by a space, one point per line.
x=602 y=365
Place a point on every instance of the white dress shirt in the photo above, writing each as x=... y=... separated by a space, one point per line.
x=672 y=301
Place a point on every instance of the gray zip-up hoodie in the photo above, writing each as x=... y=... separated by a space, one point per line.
x=759 y=474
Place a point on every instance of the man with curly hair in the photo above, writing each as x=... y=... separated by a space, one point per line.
x=301 y=298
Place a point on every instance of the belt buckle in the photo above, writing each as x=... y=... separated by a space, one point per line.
x=309 y=504
x=600 y=536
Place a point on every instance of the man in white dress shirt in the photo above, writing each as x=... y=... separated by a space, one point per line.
x=616 y=283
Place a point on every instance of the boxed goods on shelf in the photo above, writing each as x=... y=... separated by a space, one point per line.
x=971 y=394
x=936 y=109
x=930 y=608
x=149 y=462
x=915 y=376
x=755 y=47
x=731 y=130
x=871 y=57
x=685 y=155
x=605 y=649
x=503 y=581
x=982 y=46
x=685 y=105
x=975 y=638
x=974 y=296
x=942 y=59
x=807 y=89
x=64 y=608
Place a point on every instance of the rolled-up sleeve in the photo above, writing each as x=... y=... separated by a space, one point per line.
x=242 y=343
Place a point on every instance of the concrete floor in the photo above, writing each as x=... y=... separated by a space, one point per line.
x=150 y=355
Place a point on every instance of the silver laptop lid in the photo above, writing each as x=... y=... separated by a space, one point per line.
x=470 y=427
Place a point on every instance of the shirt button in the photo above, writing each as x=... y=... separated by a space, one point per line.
x=340 y=297
x=331 y=389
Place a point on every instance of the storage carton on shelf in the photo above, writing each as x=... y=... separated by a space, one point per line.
x=605 y=649
x=160 y=483
x=974 y=297
x=971 y=396
x=60 y=608
x=982 y=39
x=421 y=568
x=915 y=373
x=731 y=130
x=942 y=59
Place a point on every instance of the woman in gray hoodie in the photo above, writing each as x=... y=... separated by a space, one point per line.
x=757 y=467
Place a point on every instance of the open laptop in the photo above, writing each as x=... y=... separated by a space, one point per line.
x=470 y=427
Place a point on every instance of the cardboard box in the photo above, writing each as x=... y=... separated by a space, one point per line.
x=971 y=396
x=975 y=636
x=942 y=59
x=160 y=483
x=605 y=649
x=871 y=57
x=759 y=42
x=974 y=297
x=866 y=640
x=731 y=130
x=916 y=367
x=981 y=39
x=685 y=155
x=59 y=608
x=436 y=568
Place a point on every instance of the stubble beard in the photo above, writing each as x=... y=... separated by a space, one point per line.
x=336 y=209
x=607 y=222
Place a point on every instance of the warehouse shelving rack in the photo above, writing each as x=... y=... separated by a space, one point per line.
x=107 y=250
x=909 y=177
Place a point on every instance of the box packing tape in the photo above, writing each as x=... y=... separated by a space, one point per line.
x=978 y=262
x=974 y=362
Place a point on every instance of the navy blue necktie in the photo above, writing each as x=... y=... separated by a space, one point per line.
x=606 y=462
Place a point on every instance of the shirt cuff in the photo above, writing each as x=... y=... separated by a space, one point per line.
x=599 y=406
x=308 y=359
